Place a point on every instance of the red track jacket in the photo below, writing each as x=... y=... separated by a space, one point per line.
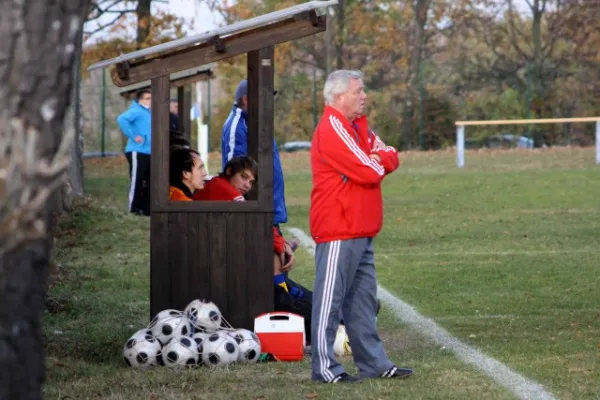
x=346 y=198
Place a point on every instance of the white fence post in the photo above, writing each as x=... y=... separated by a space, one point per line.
x=598 y=142
x=460 y=145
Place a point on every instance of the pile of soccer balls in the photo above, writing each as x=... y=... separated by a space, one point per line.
x=190 y=338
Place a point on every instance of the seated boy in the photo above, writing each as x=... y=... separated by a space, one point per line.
x=232 y=185
x=186 y=174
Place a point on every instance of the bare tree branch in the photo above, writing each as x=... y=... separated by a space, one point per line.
x=97 y=9
x=103 y=26
x=511 y=32
x=101 y=8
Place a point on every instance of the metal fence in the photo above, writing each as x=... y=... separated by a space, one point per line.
x=101 y=105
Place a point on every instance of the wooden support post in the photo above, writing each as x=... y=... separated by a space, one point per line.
x=186 y=106
x=183 y=102
x=260 y=118
x=159 y=195
x=259 y=234
x=180 y=113
x=160 y=140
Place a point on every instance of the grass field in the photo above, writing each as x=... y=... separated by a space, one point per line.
x=504 y=254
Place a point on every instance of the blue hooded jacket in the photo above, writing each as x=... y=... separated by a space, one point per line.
x=234 y=142
x=136 y=121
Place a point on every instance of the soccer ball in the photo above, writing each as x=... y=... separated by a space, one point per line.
x=204 y=316
x=341 y=346
x=141 y=349
x=200 y=338
x=168 y=324
x=219 y=349
x=248 y=344
x=180 y=350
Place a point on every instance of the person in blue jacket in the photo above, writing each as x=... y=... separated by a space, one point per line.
x=234 y=142
x=136 y=124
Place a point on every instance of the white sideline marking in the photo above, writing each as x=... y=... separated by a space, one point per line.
x=520 y=386
x=487 y=253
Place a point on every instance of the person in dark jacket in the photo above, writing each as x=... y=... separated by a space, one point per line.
x=234 y=142
x=177 y=136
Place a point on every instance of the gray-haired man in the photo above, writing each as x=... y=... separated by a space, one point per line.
x=348 y=164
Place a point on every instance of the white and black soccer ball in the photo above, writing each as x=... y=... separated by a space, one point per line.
x=199 y=338
x=192 y=309
x=248 y=345
x=142 y=349
x=219 y=349
x=204 y=316
x=168 y=324
x=180 y=351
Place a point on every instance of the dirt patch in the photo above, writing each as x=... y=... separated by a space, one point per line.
x=401 y=340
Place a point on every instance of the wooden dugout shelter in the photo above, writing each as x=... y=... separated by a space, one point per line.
x=219 y=251
x=180 y=80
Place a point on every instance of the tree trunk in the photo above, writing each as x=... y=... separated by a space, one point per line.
x=73 y=186
x=537 y=11
x=339 y=43
x=143 y=17
x=416 y=42
x=536 y=33
x=36 y=61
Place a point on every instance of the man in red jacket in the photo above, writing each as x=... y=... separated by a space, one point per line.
x=348 y=164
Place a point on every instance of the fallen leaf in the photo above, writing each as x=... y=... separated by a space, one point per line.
x=311 y=396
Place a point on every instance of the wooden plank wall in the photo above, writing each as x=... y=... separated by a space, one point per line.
x=219 y=257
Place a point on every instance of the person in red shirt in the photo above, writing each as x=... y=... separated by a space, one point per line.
x=186 y=174
x=348 y=163
x=233 y=184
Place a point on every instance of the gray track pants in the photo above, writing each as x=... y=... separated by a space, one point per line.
x=345 y=280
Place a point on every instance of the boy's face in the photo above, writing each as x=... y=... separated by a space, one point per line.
x=196 y=176
x=243 y=181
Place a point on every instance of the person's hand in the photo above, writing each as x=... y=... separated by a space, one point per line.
x=138 y=139
x=375 y=157
x=379 y=145
x=289 y=255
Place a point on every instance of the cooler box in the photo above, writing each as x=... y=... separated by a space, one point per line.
x=281 y=334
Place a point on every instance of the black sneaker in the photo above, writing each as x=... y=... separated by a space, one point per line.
x=396 y=372
x=344 y=378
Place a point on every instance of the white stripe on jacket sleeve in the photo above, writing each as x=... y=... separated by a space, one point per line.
x=343 y=134
x=232 y=129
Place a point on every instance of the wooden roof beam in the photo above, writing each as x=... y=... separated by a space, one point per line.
x=219 y=49
x=176 y=83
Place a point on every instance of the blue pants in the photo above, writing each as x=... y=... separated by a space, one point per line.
x=345 y=281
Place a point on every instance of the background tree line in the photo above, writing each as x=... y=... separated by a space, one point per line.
x=429 y=63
